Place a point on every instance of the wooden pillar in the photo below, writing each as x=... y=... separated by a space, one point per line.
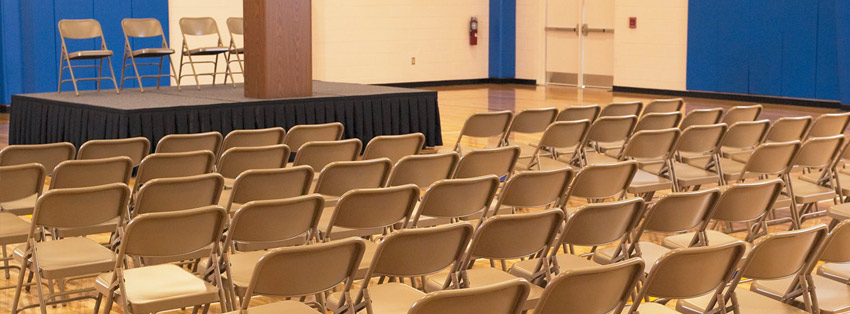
x=278 y=48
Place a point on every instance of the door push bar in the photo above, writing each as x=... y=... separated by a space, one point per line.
x=564 y=29
x=585 y=29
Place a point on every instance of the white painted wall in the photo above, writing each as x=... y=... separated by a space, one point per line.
x=530 y=44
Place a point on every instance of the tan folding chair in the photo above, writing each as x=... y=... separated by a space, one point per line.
x=701 y=117
x=92 y=172
x=832 y=294
x=598 y=182
x=300 y=134
x=499 y=298
x=776 y=256
x=367 y=212
x=484 y=126
x=573 y=113
x=144 y=28
x=695 y=142
x=533 y=189
x=201 y=27
x=562 y=145
x=302 y=271
x=137 y=148
x=687 y=273
x=236 y=28
x=72 y=258
x=741 y=203
x=651 y=147
x=252 y=138
x=239 y=159
x=48 y=155
x=742 y=114
x=424 y=170
x=658 y=121
x=741 y=139
x=319 y=154
x=267 y=184
x=817 y=154
x=454 y=199
x=394 y=147
x=502 y=238
x=664 y=106
x=528 y=122
x=673 y=213
x=592 y=225
x=342 y=176
x=496 y=161
x=610 y=132
x=617 y=109
x=598 y=289
x=260 y=226
x=149 y=288
x=788 y=129
x=173 y=165
x=173 y=194
x=769 y=159
x=181 y=143
x=20 y=187
x=829 y=124
x=84 y=29
x=409 y=253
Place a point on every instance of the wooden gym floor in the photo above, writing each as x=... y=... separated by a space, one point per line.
x=456 y=104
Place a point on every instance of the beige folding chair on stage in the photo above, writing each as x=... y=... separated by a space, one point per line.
x=742 y=114
x=561 y=146
x=527 y=122
x=47 y=155
x=829 y=124
x=484 y=126
x=533 y=189
x=664 y=106
x=450 y=200
x=339 y=177
x=701 y=117
x=267 y=184
x=572 y=113
x=181 y=143
x=197 y=27
x=237 y=160
x=598 y=289
x=424 y=170
x=394 y=147
x=496 y=161
x=616 y=109
x=84 y=29
x=688 y=273
x=788 y=129
x=252 y=138
x=499 y=298
x=236 y=27
x=142 y=28
x=137 y=148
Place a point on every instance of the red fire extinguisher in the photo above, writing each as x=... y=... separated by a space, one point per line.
x=473 y=31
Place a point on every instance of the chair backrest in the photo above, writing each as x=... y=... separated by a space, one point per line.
x=48 y=155
x=532 y=120
x=747 y=201
x=658 y=121
x=343 y=176
x=602 y=223
x=319 y=154
x=612 y=128
x=419 y=252
x=773 y=159
x=305 y=270
x=830 y=124
x=573 y=113
x=515 y=236
x=20 y=181
x=655 y=145
x=486 y=124
x=834 y=249
x=742 y=114
x=819 y=152
x=179 y=143
x=374 y=208
x=91 y=172
x=788 y=129
x=80 y=207
x=507 y=297
x=251 y=138
x=300 y=134
x=424 y=170
x=535 y=189
x=497 y=161
x=80 y=29
x=690 y=272
x=602 y=181
x=455 y=198
x=745 y=135
x=615 y=109
x=178 y=233
x=171 y=194
x=704 y=139
x=239 y=159
x=565 y=134
x=701 y=117
x=269 y=184
x=137 y=148
x=598 y=289
x=198 y=26
x=236 y=26
x=680 y=211
x=664 y=105
x=141 y=28
x=171 y=165
x=394 y=147
x=266 y=224
x=782 y=254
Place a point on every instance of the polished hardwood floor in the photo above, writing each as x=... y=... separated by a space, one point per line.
x=457 y=103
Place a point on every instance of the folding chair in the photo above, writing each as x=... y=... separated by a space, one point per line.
x=742 y=114
x=527 y=122
x=561 y=146
x=664 y=106
x=342 y=176
x=253 y=138
x=300 y=134
x=84 y=29
x=450 y=200
x=141 y=28
x=394 y=147
x=829 y=124
x=817 y=155
x=423 y=170
x=573 y=113
x=596 y=183
x=598 y=289
x=484 y=125
x=319 y=154
x=236 y=27
x=47 y=155
x=496 y=161
x=502 y=298
x=695 y=142
x=617 y=109
x=20 y=187
x=237 y=160
x=533 y=189
x=610 y=132
x=788 y=129
x=201 y=26
x=181 y=143
x=137 y=148
x=701 y=117
x=266 y=184
x=658 y=121
x=180 y=193
x=173 y=165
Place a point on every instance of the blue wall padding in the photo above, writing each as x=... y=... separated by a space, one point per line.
x=502 y=45
x=826 y=77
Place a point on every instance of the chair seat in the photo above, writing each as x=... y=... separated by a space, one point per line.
x=714 y=238
x=600 y=159
x=748 y=301
x=207 y=51
x=645 y=182
x=807 y=192
x=89 y=54
x=13 y=230
x=343 y=232
x=22 y=206
x=839 y=212
x=688 y=175
x=152 y=52
x=546 y=163
x=70 y=257
x=835 y=271
x=525 y=269
x=649 y=252
x=482 y=277
x=833 y=296
x=294 y=307
x=238 y=50
x=650 y=308
x=389 y=298
x=241 y=268
x=161 y=287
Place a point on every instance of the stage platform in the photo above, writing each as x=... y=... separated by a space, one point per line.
x=365 y=110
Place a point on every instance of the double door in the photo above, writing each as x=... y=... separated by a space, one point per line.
x=580 y=43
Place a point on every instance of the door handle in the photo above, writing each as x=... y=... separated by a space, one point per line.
x=564 y=29
x=586 y=29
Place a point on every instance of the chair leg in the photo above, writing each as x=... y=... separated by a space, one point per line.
x=195 y=73
x=179 y=73
x=61 y=69
x=38 y=280
x=170 y=63
x=215 y=69
x=20 y=287
x=138 y=78
x=228 y=72
x=5 y=262
x=73 y=78
x=158 y=72
x=123 y=70
x=99 y=73
x=112 y=71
